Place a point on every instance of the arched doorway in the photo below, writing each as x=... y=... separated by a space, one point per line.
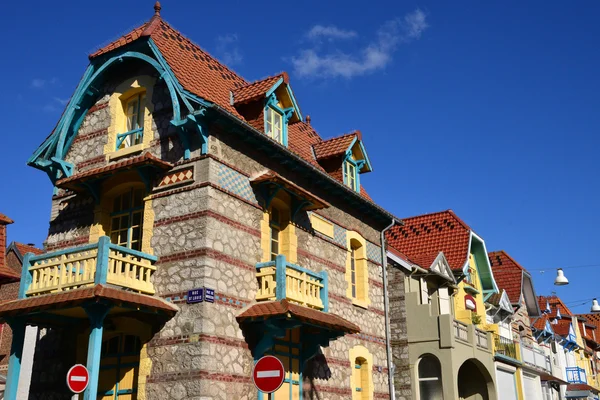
x=475 y=382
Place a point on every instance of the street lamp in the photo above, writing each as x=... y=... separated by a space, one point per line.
x=561 y=279
x=595 y=306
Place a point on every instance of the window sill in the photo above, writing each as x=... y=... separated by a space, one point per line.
x=125 y=152
x=361 y=303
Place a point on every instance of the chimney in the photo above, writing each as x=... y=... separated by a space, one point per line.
x=4 y=220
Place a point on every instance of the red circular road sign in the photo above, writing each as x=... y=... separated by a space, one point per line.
x=78 y=378
x=268 y=374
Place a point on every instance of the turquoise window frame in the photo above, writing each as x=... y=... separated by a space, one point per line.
x=358 y=164
x=286 y=114
x=288 y=368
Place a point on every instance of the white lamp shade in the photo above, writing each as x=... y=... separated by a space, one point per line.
x=595 y=306
x=561 y=279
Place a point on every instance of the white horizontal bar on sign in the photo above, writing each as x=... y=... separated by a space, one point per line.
x=268 y=374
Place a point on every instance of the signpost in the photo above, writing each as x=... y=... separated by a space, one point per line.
x=268 y=374
x=78 y=378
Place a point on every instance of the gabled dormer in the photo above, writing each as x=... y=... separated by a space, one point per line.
x=269 y=105
x=344 y=157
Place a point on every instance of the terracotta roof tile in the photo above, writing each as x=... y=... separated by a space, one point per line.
x=73 y=297
x=508 y=274
x=561 y=327
x=4 y=220
x=432 y=233
x=555 y=303
x=143 y=159
x=424 y=260
x=25 y=248
x=284 y=307
x=256 y=89
x=203 y=75
x=335 y=146
x=581 y=387
x=540 y=323
x=593 y=319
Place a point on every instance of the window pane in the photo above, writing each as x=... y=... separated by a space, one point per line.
x=126 y=201
x=137 y=197
x=137 y=219
x=136 y=234
x=124 y=221
x=123 y=238
x=114 y=224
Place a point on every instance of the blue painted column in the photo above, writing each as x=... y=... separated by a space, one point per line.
x=325 y=291
x=14 y=363
x=96 y=313
x=280 y=277
x=102 y=260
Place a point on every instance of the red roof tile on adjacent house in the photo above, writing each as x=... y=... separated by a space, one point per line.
x=581 y=387
x=431 y=233
x=335 y=146
x=508 y=274
x=144 y=159
x=5 y=220
x=540 y=323
x=593 y=319
x=269 y=309
x=26 y=248
x=561 y=327
x=256 y=89
x=555 y=303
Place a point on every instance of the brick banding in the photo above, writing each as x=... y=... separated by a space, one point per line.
x=90 y=135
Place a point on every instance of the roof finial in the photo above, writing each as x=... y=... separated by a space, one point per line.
x=308 y=119
x=157 y=8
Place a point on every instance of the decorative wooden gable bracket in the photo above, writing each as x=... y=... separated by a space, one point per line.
x=192 y=124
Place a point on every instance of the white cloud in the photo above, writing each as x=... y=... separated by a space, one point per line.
x=330 y=32
x=228 y=50
x=60 y=101
x=375 y=56
x=39 y=83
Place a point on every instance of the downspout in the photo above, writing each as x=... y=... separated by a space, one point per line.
x=388 y=346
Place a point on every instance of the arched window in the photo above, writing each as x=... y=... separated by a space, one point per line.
x=430 y=378
x=357 y=270
x=362 y=378
x=126 y=219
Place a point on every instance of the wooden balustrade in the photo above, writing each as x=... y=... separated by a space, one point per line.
x=101 y=262
x=279 y=280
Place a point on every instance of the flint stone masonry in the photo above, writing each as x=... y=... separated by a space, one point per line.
x=399 y=334
x=207 y=235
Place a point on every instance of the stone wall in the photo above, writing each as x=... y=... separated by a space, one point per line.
x=399 y=333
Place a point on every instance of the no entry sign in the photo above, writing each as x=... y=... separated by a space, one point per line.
x=268 y=374
x=77 y=378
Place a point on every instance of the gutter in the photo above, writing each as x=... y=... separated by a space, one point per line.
x=388 y=346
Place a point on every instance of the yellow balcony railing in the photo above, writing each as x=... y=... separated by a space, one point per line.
x=100 y=262
x=506 y=347
x=278 y=280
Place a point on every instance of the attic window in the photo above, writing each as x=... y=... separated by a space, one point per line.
x=274 y=124
x=350 y=177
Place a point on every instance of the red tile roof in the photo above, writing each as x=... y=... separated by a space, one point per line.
x=593 y=319
x=432 y=233
x=26 y=248
x=335 y=146
x=72 y=298
x=143 y=159
x=4 y=220
x=257 y=89
x=581 y=387
x=203 y=75
x=269 y=309
x=507 y=273
x=270 y=176
x=540 y=323
x=561 y=327
x=424 y=260
x=555 y=303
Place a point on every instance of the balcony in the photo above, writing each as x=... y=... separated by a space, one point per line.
x=469 y=335
x=98 y=263
x=471 y=281
x=536 y=358
x=505 y=347
x=279 y=279
x=576 y=375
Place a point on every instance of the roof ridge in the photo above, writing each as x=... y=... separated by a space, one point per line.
x=448 y=211
x=354 y=132
x=509 y=257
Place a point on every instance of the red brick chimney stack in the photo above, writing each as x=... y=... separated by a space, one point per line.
x=4 y=220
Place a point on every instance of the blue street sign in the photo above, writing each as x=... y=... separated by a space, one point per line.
x=209 y=295
x=196 y=296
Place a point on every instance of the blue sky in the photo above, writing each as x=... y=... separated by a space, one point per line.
x=489 y=108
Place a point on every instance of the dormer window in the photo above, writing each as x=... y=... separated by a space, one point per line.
x=274 y=124
x=350 y=177
x=133 y=131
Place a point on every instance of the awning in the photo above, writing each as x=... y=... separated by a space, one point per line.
x=578 y=390
x=270 y=183
x=545 y=377
x=145 y=163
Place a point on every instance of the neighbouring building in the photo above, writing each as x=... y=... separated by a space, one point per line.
x=440 y=269
x=10 y=274
x=199 y=222
x=522 y=361
x=574 y=353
